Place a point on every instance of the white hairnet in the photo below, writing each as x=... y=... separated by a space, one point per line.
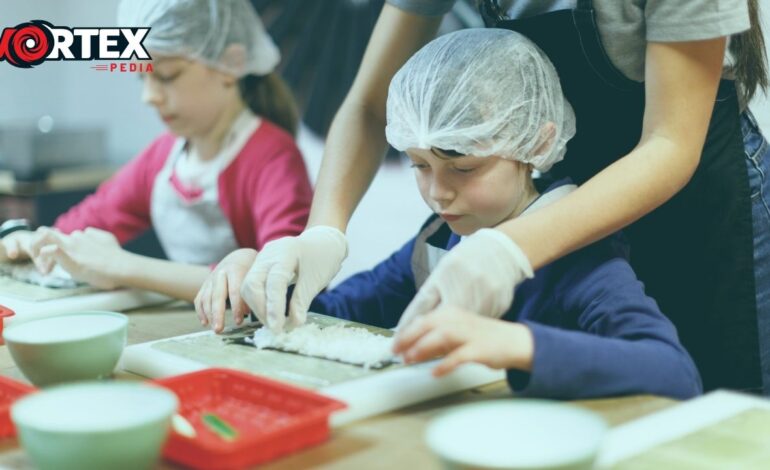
x=481 y=92
x=225 y=34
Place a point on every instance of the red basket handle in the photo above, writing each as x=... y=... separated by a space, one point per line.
x=4 y=312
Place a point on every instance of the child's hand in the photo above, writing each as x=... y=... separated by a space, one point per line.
x=15 y=246
x=93 y=256
x=39 y=239
x=463 y=337
x=225 y=282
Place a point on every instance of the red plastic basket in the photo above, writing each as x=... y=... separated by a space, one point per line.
x=10 y=391
x=272 y=418
x=4 y=312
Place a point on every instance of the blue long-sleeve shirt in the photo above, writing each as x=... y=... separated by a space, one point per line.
x=595 y=331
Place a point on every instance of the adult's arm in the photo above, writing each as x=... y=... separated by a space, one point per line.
x=681 y=81
x=356 y=141
x=354 y=149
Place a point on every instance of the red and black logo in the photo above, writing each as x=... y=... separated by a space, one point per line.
x=29 y=44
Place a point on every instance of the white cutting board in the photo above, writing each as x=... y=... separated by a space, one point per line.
x=366 y=396
x=646 y=433
x=119 y=300
x=30 y=294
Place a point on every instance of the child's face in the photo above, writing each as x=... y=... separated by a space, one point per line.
x=472 y=192
x=189 y=96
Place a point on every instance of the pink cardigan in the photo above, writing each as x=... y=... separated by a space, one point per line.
x=264 y=192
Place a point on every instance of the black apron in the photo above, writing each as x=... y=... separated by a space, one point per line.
x=694 y=253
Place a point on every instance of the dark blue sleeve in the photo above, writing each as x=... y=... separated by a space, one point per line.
x=377 y=297
x=620 y=342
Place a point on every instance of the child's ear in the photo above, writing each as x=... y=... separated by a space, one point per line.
x=234 y=59
x=547 y=134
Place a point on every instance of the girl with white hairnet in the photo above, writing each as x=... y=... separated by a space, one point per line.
x=581 y=326
x=227 y=175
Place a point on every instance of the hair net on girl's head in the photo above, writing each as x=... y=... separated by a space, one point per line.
x=225 y=34
x=481 y=92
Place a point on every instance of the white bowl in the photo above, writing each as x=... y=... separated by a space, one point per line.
x=517 y=434
x=95 y=425
x=65 y=348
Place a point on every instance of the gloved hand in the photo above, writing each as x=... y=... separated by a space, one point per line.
x=310 y=259
x=479 y=275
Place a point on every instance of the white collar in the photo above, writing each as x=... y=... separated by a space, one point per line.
x=549 y=198
x=205 y=173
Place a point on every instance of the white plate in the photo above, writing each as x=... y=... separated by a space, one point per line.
x=516 y=434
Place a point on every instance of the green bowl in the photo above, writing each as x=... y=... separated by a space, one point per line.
x=67 y=348
x=516 y=434
x=95 y=425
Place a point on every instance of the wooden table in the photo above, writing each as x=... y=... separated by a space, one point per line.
x=392 y=440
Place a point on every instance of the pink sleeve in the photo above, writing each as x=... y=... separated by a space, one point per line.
x=281 y=197
x=121 y=205
x=265 y=192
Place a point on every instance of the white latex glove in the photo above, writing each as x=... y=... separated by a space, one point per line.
x=479 y=275
x=310 y=259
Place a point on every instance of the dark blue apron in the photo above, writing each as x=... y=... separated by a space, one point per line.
x=694 y=253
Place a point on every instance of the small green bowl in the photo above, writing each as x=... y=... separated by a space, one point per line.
x=95 y=425
x=516 y=434
x=67 y=348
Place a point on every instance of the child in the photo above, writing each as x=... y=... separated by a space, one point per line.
x=227 y=175
x=577 y=328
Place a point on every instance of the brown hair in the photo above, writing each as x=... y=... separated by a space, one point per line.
x=748 y=49
x=491 y=9
x=270 y=97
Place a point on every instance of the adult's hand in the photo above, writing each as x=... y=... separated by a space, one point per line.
x=479 y=275
x=310 y=259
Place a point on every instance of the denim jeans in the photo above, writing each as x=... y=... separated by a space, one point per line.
x=758 y=163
